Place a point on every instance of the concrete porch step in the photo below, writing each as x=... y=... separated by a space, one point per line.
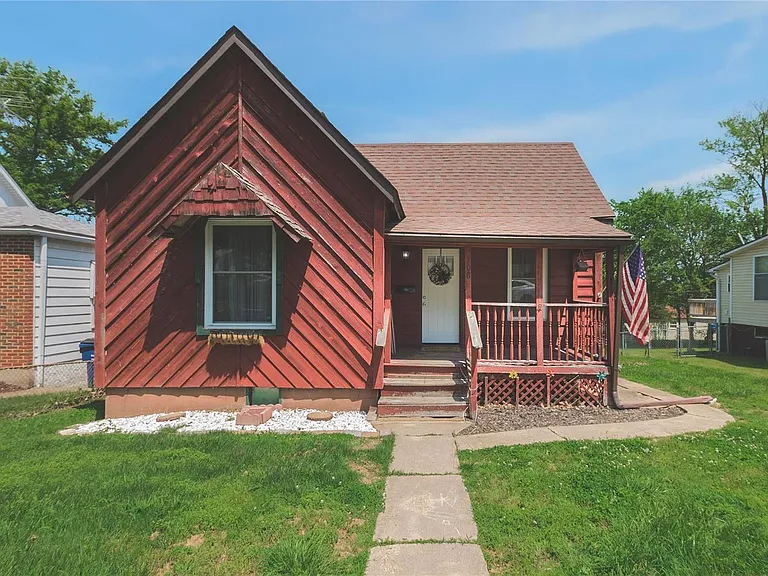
x=420 y=405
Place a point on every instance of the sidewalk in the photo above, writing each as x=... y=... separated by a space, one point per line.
x=425 y=501
x=698 y=418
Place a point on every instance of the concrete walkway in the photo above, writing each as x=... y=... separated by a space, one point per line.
x=425 y=501
x=698 y=418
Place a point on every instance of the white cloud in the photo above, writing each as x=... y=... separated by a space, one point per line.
x=655 y=115
x=516 y=26
x=575 y=24
x=694 y=176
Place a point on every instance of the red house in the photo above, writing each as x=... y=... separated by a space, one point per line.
x=246 y=252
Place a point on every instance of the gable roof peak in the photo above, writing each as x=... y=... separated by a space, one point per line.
x=233 y=38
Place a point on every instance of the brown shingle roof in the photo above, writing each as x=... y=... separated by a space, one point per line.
x=500 y=189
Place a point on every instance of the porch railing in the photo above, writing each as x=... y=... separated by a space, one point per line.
x=572 y=332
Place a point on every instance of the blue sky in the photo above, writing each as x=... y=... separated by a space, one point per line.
x=635 y=85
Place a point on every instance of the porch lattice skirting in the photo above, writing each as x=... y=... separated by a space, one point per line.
x=542 y=390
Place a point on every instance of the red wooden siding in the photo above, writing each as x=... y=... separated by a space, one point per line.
x=560 y=275
x=406 y=307
x=584 y=282
x=489 y=274
x=150 y=289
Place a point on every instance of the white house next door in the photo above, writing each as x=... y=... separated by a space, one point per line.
x=440 y=303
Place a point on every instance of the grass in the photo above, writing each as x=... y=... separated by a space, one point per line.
x=22 y=406
x=171 y=503
x=689 y=505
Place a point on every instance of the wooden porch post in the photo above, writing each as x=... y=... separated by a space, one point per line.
x=540 y=306
x=466 y=266
x=471 y=352
x=388 y=297
x=610 y=289
x=598 y=275
x=614 y=311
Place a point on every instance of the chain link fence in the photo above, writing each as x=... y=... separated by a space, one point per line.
x=686 y=338
x=73 y=374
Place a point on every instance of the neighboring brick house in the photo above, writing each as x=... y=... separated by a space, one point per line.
x=45 y=282
x=742 y=300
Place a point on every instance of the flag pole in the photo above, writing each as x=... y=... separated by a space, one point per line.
x=613 y=378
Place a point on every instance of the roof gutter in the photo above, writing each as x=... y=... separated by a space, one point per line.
x=493 y=239
x=36 y=231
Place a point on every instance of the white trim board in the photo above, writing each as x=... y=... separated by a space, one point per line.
x=208 y=322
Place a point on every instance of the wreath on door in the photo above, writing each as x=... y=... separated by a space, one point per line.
x=440 y=273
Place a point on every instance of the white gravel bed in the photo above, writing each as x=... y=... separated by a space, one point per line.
x=204 y=421
x=296 y=421
x=192 y=421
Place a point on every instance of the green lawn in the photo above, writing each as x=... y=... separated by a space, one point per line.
x=689 y=505
x=181 y=504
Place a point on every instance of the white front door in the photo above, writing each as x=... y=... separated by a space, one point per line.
x=440 y=303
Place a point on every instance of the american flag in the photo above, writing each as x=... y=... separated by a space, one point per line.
x=634 y=297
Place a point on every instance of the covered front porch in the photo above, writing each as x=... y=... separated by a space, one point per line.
x=523 y=323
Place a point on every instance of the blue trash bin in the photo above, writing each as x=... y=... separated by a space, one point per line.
x=86 y=353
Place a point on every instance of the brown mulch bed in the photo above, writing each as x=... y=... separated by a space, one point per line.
x=504 y=418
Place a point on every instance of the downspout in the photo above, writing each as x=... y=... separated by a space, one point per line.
x=613 y=380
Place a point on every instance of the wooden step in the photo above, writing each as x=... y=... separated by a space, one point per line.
x=457 y=391
x=424 y=380
x=424 y=385
x=420 y=406
x=420 y=366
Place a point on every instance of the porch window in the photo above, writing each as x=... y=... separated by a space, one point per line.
x=240 y=274
x=521 y=272
x=761 y=278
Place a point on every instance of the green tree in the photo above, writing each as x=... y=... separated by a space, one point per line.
x=50 y=135
x=744 y=145
x=682 y=234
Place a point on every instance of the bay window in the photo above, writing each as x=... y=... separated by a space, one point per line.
x=240 y=274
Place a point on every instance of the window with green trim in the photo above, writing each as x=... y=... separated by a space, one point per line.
x=240 y=288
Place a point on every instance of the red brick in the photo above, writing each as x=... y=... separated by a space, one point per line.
x=255 y=415
x=16 y=300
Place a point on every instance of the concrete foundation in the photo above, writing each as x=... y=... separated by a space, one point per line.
x=329 y=399
x=125 y=402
